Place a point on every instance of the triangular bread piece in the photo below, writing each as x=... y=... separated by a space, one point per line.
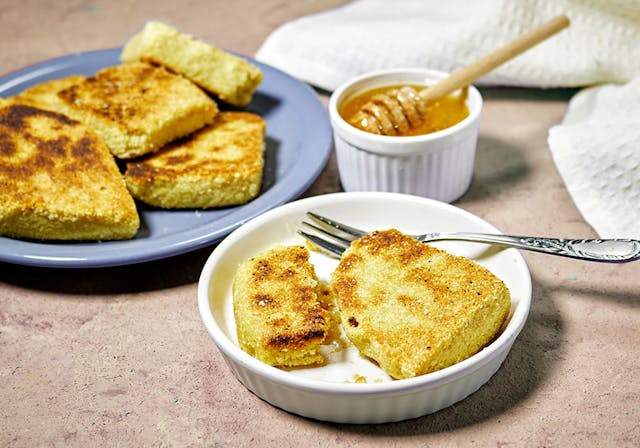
x=58 y=180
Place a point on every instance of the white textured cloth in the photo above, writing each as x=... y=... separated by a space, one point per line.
x=602 y=45
x=597 y=152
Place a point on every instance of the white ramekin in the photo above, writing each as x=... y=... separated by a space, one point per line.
x=437 y=165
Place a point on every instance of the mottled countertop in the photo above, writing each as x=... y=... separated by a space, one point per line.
x=119 y=357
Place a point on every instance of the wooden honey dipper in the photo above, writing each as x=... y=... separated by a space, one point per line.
x=400 y=109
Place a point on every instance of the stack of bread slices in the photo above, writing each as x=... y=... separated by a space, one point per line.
x=156 y=115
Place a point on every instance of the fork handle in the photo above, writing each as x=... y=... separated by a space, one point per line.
x=604 y=250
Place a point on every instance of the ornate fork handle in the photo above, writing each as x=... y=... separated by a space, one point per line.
x=606 y=250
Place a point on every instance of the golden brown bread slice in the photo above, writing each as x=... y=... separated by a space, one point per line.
x=45 y=94
x=217 y=166
x=413 y=308
x=58 y=180
x=228 y=77
x=278 y=308
x=137 y=108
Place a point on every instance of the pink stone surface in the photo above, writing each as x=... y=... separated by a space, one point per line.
x=119 y=356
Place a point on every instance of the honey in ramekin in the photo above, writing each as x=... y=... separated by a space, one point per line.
x=440 y=114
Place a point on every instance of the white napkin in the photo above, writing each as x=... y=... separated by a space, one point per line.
x=325 y=49
x=597 y=152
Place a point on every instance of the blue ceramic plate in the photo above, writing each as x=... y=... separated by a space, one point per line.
x=298 y=145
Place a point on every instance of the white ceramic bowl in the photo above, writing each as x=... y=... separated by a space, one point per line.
x=437 y=165
x=329 y=392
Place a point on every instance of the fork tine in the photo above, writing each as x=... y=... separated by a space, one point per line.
x=324 y=244
x=339 y=239
x=356 y=233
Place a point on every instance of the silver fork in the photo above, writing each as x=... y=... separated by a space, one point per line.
x=336 y=237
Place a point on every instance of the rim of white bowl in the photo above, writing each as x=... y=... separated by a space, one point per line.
x=396 y=145
x=395 y=387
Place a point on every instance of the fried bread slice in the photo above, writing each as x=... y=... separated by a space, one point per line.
x=45 y=94
x=228 y=77
x=217 y=166
x=278 y=310
x=137 y=108
x=414 y=308
x=58 y=180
